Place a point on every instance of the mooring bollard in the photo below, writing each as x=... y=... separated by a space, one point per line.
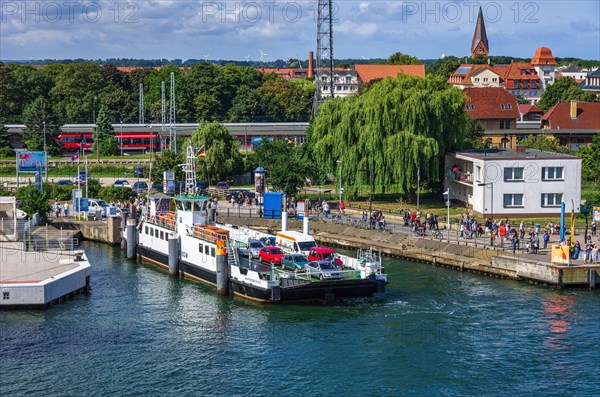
x=131 y=239
x=222 y=270
x=305 y=225
x=174 y=256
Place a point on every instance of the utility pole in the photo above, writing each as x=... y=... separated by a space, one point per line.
x=172 y=119
x=163 y=114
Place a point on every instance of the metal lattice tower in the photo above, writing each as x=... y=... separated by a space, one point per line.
x=163 y=127
x=141 y=118
x=190 y=171
x=172 y=121
x=324 y=65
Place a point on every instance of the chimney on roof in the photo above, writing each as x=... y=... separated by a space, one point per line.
x=311 y=64
x=573 y=110
x=520 y=149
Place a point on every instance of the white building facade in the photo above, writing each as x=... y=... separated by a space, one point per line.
x=514 y=182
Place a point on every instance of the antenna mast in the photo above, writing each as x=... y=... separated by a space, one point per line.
x=190 y=171
x=163 y=115
x=324 y=53
x=172 y=128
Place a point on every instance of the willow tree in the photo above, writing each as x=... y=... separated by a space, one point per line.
x=390 y=132
x=220 y=154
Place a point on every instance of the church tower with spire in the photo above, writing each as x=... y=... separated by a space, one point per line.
x=479 y=45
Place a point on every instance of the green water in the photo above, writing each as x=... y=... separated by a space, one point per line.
x=435 y=332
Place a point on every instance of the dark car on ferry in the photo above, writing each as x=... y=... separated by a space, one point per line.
x=272 y=255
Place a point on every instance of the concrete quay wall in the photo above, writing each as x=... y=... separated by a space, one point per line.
x=463 y=257
x=108 y=231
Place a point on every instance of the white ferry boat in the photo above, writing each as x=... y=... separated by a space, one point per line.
x=200 y=244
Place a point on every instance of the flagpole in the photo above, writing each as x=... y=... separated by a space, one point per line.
x=418 y=185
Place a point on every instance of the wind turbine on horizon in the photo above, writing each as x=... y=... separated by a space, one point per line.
x=206 y=57
x=262 y=55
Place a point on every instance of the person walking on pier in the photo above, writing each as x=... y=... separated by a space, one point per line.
x=545 y=238
x=594 y=228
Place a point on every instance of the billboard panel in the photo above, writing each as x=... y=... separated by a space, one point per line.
x=596 y=215
x=168 y=187
x=31 y=161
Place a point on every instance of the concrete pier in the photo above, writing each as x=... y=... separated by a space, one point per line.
x=466 y=258
x=174 y=256
x=33 y=280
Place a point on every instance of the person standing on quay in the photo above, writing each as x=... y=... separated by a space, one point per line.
x=594 y=228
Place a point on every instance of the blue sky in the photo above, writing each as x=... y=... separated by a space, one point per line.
x=287 y=29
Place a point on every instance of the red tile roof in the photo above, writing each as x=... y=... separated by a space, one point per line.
x=543 y=56
x=524 y=109
x=368 y=73
x=521 y=71
x=490 y=103
x=559 y=116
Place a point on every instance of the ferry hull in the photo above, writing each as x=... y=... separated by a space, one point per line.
x=316 y=291
x=189 y=270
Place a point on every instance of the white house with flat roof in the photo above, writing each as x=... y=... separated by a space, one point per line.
x=519 y=182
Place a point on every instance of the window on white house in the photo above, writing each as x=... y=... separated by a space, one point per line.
x=478 y=173
x=513 y=174
x=551 y=199
x=513 y=200
x=552 y=174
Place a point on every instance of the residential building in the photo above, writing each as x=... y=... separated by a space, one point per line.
x=545 y=65
x=530 y=113
x=513 y=183
x=473 y=75
x=345 y=82
x=574 y=124
x=497 y=111
x=522 y=80
x=574 y=72
x=591 y=82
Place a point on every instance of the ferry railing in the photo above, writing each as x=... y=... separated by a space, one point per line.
x=163 y=219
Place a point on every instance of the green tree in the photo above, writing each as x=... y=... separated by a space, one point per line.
x=78 y=90
x=590 y=160
x=250 y=106
x=111 y=193
x=4 y=137
x=393 y=129
x=399 y=58
x=474 y=134
x=288 y=100
x=35 y=116
x=522 y=101
x=168 y=160
x=34 y=201
x=9 y=98
x=443 y=66
x=105 y=143
x=544 y=143
x=285 y=165
x=222 y=158
x=563 y=90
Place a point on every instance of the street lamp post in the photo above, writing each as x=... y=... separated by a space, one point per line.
x=447 y=193
x=370 y=182
x=491 y=185
x=45 y=154
x=585 y=210
x=340 y=190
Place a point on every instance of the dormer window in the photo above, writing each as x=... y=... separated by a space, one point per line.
x=532 y=71
x=523 y=72
x=502 y=106
x=509 y=106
